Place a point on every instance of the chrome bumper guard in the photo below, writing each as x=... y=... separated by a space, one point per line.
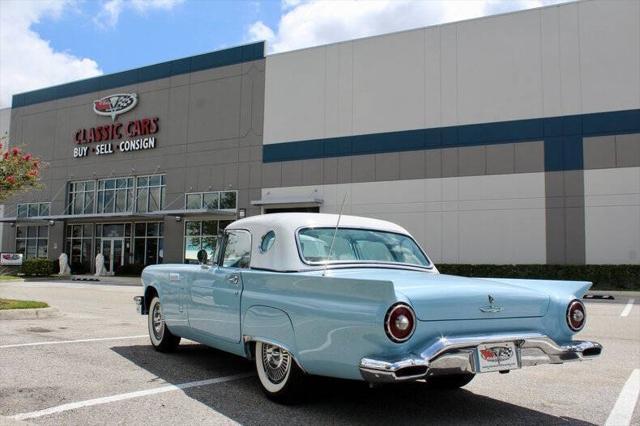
x=456 y=355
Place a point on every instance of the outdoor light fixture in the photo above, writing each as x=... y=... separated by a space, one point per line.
x=178 y=218
x=242 y=213
x=51 y=223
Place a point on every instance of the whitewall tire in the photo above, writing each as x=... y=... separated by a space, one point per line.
x=161 y=338
x=278 y=372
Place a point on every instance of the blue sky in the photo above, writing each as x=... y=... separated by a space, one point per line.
x=49 y=42
x=140 y=39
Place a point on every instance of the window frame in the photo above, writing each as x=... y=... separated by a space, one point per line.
x=202 y=195
x=220 y=260
x=200 y=236
x=37 y=239
x=429 y=266
x=28 y=206
x=146 y=188
x=72 y=194
x=270 y=242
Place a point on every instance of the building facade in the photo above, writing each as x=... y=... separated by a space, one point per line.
x=144 y=166
x=5 y=120
x=506 y=139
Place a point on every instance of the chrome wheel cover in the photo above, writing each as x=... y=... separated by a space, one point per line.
x=276 y=362
x=157 y=322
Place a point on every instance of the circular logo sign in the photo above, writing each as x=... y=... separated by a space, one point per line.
x=114 y=105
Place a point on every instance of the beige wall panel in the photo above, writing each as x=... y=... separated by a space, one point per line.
x=295 y=96
x=610 y=55
x=612 y=215
x=501 y=221
x=499 y=68
x=394 y=66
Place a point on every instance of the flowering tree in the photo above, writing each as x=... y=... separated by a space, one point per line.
x=18 y=171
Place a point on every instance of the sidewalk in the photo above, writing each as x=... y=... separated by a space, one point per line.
x=109 y=280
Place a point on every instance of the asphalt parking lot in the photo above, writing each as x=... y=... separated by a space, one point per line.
x=93 y=364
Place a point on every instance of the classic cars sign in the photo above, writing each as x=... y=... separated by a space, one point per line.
x=134 y=135
x=113 y=105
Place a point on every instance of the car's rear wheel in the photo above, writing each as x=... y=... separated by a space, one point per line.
x=279 y=375
x=449 y=381
x=161 y=338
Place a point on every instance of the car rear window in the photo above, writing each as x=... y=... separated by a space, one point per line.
x=358 y=245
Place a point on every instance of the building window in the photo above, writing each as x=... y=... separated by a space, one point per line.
x=194 y=201
x=148 y=246
x=32 y=241
x=115 y=195
x=218 y=200
x=78 y=247
x=201 y=234
x=150 y=193
x=81 y=197
x=33 y=209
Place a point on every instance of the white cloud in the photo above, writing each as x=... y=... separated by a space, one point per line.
x=110 y=12
x=27 y=61
x=260 y=31
x=317 y=22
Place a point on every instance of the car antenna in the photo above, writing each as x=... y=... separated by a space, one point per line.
x=333 y=239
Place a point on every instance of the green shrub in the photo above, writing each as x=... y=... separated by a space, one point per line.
x=38 y=267
x=603 y=277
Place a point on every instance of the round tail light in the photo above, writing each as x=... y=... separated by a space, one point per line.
x=576 y=315
x=400 y=322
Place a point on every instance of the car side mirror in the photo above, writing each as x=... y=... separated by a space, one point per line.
x=202 y=256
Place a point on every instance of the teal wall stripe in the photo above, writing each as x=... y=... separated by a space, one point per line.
x=220 y=58
x=562 y=138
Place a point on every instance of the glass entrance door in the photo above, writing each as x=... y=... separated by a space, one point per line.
x=112 y=250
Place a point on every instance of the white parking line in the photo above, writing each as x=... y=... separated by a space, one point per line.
x=62 y=342
x=626 y=402
x=124 y=396
x=627 y=309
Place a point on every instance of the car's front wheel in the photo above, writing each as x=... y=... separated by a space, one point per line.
x=161 y=338
x=279 y=375
x=449 y=381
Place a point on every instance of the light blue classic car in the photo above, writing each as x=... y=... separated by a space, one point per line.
x=356 y=298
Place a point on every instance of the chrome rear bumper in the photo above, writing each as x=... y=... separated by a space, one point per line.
x=457 y=355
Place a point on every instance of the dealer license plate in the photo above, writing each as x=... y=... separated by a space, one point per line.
x=497 y=357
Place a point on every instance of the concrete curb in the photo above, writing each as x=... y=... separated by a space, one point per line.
x=615 y=293
x=28 y=314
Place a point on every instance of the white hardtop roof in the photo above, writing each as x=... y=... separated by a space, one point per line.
x=283 y=255
x=294 y=221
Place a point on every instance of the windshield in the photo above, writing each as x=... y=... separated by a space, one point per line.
x=359 y=245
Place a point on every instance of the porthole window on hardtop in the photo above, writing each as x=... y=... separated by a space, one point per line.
x=267 y=241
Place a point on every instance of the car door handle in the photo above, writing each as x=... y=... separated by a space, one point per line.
x=233 y=279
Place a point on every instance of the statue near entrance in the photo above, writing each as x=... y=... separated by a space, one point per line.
x=63 y=263
x=100 y=269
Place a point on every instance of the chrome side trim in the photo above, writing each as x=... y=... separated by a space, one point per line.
x=456 y=355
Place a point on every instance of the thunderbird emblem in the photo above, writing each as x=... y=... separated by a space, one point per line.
x=114 y=105
x=491 y=307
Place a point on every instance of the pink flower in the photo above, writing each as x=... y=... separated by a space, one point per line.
x=15 y=151
x=27 y=157
x=10 y=179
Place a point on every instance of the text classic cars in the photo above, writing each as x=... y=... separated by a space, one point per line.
x=356 y=298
